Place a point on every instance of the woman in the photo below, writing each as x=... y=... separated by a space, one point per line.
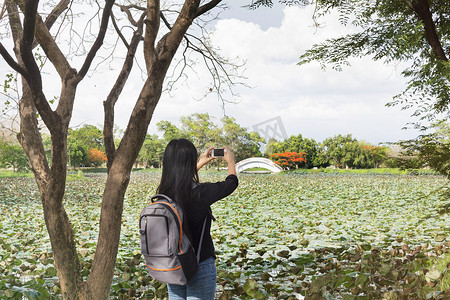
x=180 y=182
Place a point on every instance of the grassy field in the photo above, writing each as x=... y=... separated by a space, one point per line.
x=295 y=235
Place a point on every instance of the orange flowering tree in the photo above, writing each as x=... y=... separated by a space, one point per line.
x=289 y=160
x=96 y=157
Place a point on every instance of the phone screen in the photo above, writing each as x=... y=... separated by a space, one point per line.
x=218 y=152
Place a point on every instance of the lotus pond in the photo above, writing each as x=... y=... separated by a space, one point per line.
x=281 y=236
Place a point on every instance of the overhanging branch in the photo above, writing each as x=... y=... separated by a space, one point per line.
x=207 y=7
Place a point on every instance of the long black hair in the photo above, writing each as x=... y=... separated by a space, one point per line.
x=179 y=172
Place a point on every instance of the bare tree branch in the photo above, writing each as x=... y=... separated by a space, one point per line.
x=116 y=27
x=3 y=10
x=56 y=12
x=15 y=24
x=223 y=78
x=98 y=41
x=126 y=9
x=12 y=63
x=151 y=32
x=164 y=19
x=51 y=49
x=207 y=7
x=35 y=82
x=115 y=92
x=172 y=40
x=53 y=16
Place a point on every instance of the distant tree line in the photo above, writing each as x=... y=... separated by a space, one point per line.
x=204 y=132
x=86 y=147
x=340 y=151
x=430 y=150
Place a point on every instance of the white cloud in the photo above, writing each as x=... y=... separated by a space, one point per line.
x=310 y=101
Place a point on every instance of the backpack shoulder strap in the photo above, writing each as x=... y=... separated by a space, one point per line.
x=158 y=196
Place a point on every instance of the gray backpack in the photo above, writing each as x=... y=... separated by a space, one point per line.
x=168 y=252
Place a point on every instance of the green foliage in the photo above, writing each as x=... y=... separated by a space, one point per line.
x=152 y=150
x=169 y=130
x=7 y=83
x=269 y=3
x=11 y=173
x=12 y=156
x=80 y=141
x=377 y=171
x=395 y=31
x=88 y=136
x=276 y=236
x=340 y=151
x=201 y=129
x=78 y=155
x=297 y=144
x=8 y=98
x=345 y=151
x=243 y=143
x=432 y=150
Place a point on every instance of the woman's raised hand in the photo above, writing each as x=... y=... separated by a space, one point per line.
x=229 y=158
x=205 y=158
x=228 y=155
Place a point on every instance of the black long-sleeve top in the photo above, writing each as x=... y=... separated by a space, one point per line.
x=200 y=208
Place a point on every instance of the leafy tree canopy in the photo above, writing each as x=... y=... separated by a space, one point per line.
x=88 y=136
x=152 y=150
x=201 y=130
x=204 y=132
x=12 y=156
x=432 y=149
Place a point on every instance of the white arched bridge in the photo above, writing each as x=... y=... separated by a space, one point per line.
x=257 y=162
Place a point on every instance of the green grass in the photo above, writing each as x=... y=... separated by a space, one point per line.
x=148 y=170
x=10 y=173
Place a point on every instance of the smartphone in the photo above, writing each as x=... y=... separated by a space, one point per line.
x=218 y=152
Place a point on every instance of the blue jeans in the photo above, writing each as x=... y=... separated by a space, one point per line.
x=202 y=286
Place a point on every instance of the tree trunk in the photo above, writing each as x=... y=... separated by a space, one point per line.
x=51 y=180
x=99 y=282
x=62 y=240
x=51 y=184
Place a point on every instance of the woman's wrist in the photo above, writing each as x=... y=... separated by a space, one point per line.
x=232 y=168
